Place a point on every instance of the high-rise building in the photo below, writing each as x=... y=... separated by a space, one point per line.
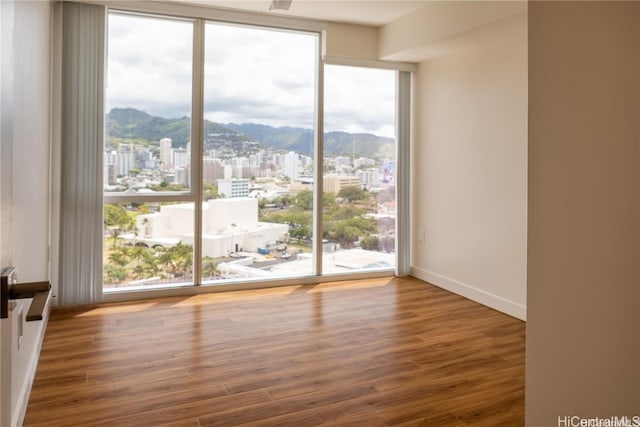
x=183 y=176
x=291 y=165
x=212 y=170
x=181 y=157
x=166 y=155
x=228 y=172
x=342 y=161
x=110 y=174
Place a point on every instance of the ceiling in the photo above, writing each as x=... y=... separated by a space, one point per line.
x=365 y=12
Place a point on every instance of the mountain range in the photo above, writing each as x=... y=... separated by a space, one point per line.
x=132 y=124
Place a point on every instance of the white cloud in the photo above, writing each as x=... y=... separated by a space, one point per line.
x=360 y=100
x=149 y=65
x=252 y=75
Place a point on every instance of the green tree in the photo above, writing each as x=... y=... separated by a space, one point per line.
x=338 y=213
x=371 y=243
x=116 y=215
x=117 y=219
x=119 y=257
x=137 y=253
x=142 y=208
x=387 y=195
x=304 y=200
x=114 y=274
x=328 y=200
x=115 y=233
x=353 y=193
x=346 y=232
x=177 y=259
x=139 y=271
x=210 y=192
x=209 y=268
x=284 y=200
x=150 y=263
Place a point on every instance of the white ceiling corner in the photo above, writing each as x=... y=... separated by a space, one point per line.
x=363 y=12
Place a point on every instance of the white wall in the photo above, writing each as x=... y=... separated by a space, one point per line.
x=583 y=310
x=31 y=140
x=24 y=235
x=442 y=26
x=469 y=196
x=6 y=138
x=351 y=41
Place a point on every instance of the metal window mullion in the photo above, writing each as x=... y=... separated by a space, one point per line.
x=148 y=198
x=197 y=142
x=319 y=162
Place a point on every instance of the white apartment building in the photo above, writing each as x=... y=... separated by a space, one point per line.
x=233 y=188
x=369 y=177
x=228 y=225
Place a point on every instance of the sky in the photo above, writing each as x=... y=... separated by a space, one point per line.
x=252 y=75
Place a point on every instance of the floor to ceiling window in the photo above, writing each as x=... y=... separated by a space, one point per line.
x=147 y=153
x=359 y=183
x=259 y=105
x=211 y=155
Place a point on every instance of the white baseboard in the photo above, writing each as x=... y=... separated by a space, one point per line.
x=503 y=305
x=22 y=398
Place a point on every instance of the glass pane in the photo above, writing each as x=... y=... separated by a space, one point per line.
x=147 y=244
x=259 y=98
x=148 y=104
x=359 y=201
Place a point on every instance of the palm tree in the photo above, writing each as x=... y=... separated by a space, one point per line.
x=145 y=227
x=119 y=257
x=210 y=269
x=150 y=263
x=115 y=233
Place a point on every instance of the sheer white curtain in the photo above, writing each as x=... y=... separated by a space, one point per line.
x=403 y=221
x=78 y=69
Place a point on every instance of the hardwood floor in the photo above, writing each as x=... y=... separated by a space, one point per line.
x=376 y=352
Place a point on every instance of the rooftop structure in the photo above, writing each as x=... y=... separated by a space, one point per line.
x=228 y=225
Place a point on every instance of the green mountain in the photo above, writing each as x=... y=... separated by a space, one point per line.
x=283 y=138
x=335 y=143
x=129 y=123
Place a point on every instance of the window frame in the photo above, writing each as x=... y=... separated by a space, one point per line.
x=200 y=16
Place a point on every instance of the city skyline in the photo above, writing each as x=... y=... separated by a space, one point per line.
x=149 y=68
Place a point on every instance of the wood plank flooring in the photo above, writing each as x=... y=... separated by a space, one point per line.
x=375 y=352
